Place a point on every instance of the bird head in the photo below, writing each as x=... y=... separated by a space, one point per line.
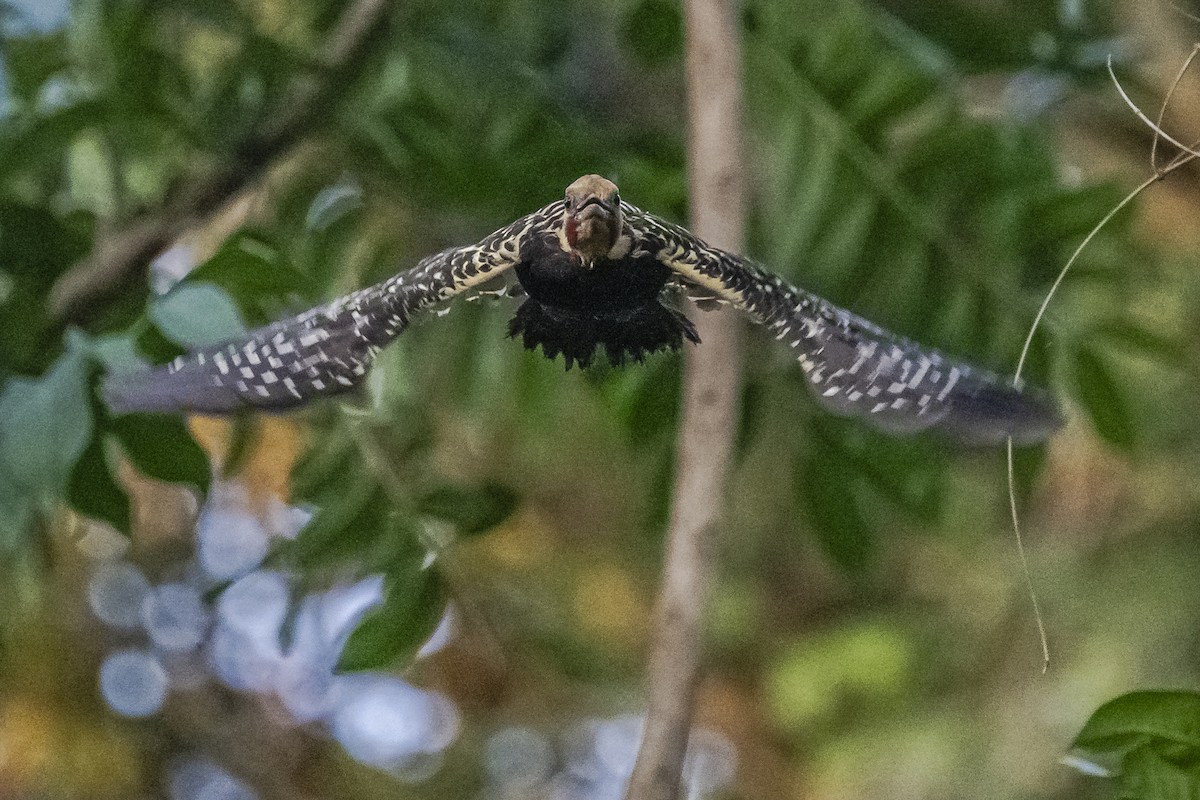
x=593 y=217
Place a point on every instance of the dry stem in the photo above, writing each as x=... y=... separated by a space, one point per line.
x=710 y=394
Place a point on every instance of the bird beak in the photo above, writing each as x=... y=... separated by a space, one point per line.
x=595 y=207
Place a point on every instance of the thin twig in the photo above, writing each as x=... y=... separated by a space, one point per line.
x=710 y=394
x=1187 y=155
x=1183 y=12
x=1037 y=321
x=1033 y=596
x=116 y=259
x=1162 y=109
x=1158 y=131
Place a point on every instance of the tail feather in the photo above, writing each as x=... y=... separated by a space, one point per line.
x=628 y=335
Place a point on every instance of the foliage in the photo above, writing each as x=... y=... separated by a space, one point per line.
x=1154 y=740
x=890 y=196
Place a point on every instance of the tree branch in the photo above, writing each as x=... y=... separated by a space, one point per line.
x=710 y=393
x=116 y=259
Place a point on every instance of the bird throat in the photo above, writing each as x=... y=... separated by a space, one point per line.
x=590 y=238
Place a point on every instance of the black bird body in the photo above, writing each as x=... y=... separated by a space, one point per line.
x=614 y=304
x=600 y=274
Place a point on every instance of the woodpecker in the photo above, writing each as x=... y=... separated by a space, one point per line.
x=599 y=274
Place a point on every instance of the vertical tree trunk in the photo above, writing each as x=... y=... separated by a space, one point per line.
x=710 y=392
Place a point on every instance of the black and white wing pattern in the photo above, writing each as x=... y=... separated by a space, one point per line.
x=853 y=366
x=326 y=350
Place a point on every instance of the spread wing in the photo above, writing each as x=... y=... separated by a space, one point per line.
x=853 y=366
x=324 y=351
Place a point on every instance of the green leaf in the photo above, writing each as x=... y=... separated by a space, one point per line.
x=1040 y=361
x=1139 y=717
x=352 y=512
x=1028 y=463
x=31 y=60
x=827 y=490
x=91 y=174
x=1126 y=334
x=751 y=410
x=1148 y=776
x=646 y=400
x=653 y=31
x=1101 y=397
x=36 y=247
x=153 y=346
x=1072 y=213
x=471 y=510
x=257 y=277
x=116 y=352
x=226 y=15
x=94 y=491
x=329 y=460
x=333 y=204
x=15 y=510
x=161 y=447
x=392 y=633
x=197 y=315
x=45 y=425
x=907 y=472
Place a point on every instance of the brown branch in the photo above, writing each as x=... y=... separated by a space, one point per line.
x=117 y=258
x=710 y=392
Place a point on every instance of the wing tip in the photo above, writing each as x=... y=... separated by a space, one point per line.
x=994 y=413
x=156 y=391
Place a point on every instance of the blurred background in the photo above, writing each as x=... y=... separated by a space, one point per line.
x=444 y=588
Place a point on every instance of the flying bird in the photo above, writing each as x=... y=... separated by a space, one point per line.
x=599 y=274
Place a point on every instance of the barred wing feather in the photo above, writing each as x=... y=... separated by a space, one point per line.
x=854 y=367
x=324 y=351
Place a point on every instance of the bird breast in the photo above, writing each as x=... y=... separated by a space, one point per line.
x=559 y=279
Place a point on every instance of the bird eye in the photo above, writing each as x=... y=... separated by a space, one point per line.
x=569 y=202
